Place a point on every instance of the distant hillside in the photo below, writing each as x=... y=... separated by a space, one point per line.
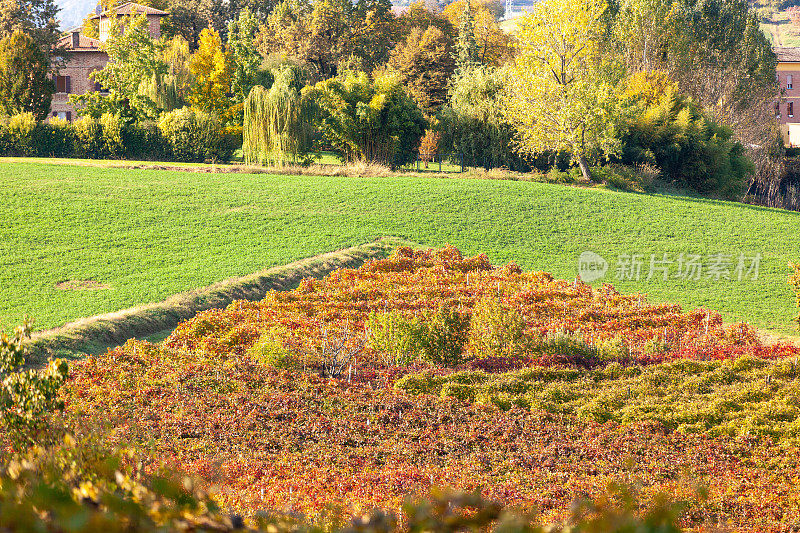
x=775 y=21
x=74 y=11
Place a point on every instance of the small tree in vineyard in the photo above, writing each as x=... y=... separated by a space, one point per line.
x=27 y=396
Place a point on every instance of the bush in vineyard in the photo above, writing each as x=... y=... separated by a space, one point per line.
x=394 y=336
x=437 y=338
x=272 y=349
x=27 y=397
x=496 y=331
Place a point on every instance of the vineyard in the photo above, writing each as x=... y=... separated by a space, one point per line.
x=429 y=369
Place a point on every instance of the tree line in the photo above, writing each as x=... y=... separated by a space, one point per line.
x=682 y=85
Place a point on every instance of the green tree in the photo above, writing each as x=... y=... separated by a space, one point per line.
x=245 y=58
x=374 y=32
x=367 y=120
x=187 y=18
x=317 y=33
x=211 y=68
x=277 y=121
x=176 y=55
x=562 y=94
x=466 y=46
x=37 y=18
x=473 y=122
x=136 y=59
x=25 y=82
x=425 y=64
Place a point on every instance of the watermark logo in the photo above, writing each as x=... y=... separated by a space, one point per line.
x=592 y=266
x=665 y=266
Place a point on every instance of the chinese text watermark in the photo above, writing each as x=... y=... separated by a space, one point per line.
x=717 y=266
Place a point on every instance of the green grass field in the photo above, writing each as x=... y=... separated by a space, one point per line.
x=147 y=234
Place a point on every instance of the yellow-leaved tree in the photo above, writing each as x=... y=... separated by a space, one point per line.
x=562 y=94
x=210 y=67
x=494 y=45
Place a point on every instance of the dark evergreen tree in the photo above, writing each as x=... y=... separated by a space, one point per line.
x=25 y=82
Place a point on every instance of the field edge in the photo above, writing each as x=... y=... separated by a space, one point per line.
x=97 y=333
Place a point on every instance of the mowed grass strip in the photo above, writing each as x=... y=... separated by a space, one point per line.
x=127 y=237
x=156 y=320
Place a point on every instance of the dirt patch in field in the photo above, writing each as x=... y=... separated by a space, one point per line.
x=81 y=285
x=242 y=209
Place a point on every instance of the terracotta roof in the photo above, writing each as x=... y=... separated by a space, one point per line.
x=787 y=54
x=131 y=7
x=84 y=44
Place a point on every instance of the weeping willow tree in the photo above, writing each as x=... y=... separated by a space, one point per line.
x=163 y=91
x=277 y=121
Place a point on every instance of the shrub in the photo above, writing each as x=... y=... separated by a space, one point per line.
x=27 y=396
x=395 y=337
x=271 y=349
x=438 y=339
x=88 y=137
x=460 y=391
x=111 y=137
x=496 y=332
x=422 y=383
x=619 y=177
x=56 y=138
x=20 y=130
x=192 y=135
x=674 y=133
x=144 y=141
x=444 y=336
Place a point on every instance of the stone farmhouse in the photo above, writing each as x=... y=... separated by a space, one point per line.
x=83 y=55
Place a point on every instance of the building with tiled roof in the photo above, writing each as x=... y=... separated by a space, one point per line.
x=81 y=55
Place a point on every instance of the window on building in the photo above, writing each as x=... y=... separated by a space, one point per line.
x=790 y=109
x=63 y=115
x=789 y=81
x=63 y=84
x=96 y=86
x=777 y=110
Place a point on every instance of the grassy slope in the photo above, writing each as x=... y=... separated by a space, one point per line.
x=776 y=24
x=149 y=234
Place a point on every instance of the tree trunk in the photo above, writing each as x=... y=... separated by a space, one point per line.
x=585 y=170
